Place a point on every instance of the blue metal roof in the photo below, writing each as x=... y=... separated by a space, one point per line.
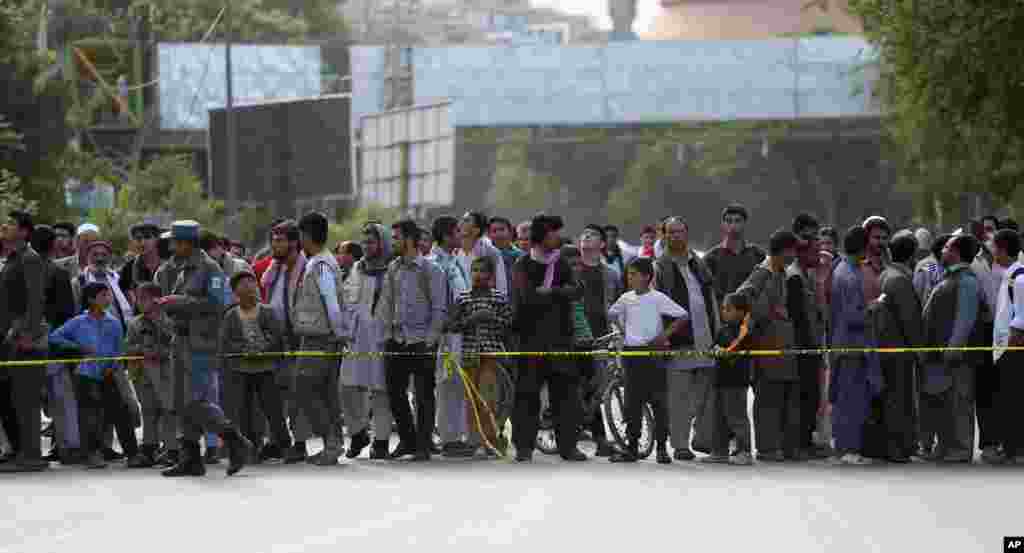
x=629 y=82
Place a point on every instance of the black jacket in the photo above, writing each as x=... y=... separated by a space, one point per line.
x=543 y=321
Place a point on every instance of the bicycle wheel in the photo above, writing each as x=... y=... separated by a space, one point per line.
x=613 y=407
x=546 y=441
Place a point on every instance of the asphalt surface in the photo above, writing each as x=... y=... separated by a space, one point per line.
x=545 y=506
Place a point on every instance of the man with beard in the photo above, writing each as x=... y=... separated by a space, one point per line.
x=86 y=234
x=363 y=379
x=543 y=289
x=896 y=320
x=24 y=332
x=683 y=277
x=125 y=416
x=951 y=319
x=413 y=310
x=280 y=283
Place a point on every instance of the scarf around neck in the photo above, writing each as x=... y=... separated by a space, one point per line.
x=551 y=260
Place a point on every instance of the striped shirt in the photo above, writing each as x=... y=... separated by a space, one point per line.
x=488 y=336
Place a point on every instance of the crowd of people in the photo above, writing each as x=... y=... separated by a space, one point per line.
x=204 y=326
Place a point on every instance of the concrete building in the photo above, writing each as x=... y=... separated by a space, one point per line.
x=749 y=19
x=439 y=22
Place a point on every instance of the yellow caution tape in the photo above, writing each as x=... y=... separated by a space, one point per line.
x=516 y=354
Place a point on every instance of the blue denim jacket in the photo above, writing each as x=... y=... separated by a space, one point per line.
x=103 y=336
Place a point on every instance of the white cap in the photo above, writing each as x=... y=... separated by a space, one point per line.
x=87 y=227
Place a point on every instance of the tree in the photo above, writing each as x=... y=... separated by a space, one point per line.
x=952 y=87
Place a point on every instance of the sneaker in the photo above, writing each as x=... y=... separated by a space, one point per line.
x=854 y=459
x=684 y=455
x=716 y=459
x=742 y=458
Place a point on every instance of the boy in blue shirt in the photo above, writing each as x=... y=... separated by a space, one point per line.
x=93 y=334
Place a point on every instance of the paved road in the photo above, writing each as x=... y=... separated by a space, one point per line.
x=594 y=507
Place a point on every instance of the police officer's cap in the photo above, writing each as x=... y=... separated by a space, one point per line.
x=146 y=227
x=185 y=230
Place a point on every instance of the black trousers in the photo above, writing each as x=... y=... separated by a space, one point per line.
x=898 y=405
x=91 y=398
x=646 y=382
x=563 y=393
x=202 y=416
x=1011 y=408
x=777 y=415
x=810 y=395
x=24 y=412
x=420 y=366
x=987 y=393
x=591 y=377
x=8 y=414
x=730 y=419
x=247 y=393
x=117 y=413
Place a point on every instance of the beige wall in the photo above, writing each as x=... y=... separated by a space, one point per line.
x=746 y=19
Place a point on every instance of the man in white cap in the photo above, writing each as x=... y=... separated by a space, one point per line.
x=195 y=296
x=86 y=234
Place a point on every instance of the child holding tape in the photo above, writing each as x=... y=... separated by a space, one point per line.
x=483 y=316
x=93 y=333
x=639 y=312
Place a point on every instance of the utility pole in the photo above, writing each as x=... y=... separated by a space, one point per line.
x=231 y=136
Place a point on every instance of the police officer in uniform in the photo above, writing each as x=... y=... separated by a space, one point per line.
x=196 y=294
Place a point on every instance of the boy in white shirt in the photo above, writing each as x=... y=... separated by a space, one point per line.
x=642 y=313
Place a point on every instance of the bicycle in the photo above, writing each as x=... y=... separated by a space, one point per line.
x=606 y=391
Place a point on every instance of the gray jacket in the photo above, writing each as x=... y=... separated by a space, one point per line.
x=234 y=340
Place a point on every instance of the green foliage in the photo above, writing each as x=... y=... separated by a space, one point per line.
x=252 y=20
x=516 y=186
x=11 y=196
x=10 y=140
x=952 y=87
x=166 y=188
x=351 y=226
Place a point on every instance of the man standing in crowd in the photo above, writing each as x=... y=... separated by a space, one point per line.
x=319 y=326
x=413 y=311
x=990 y=271
x=348 y=254
x=194 y=290
x=214 y=247
x=732 y=261
x=896 y=320
x=613 y=253
x=928 y=271
x=601 y=288
x=808 y=316
x=98 y=269
x=65 y=244
x=1009 y=331
x=543 y=289
x=856 y=377
x=364 y=385
x=142 y=267
x=523 y=237
x=280 y=284
x=451 y=417
x=683 y=277
x=86 y=234
x=776 y=380
x=501 y=234
x=59 y=307
x=951 y=319
x=24 y=332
